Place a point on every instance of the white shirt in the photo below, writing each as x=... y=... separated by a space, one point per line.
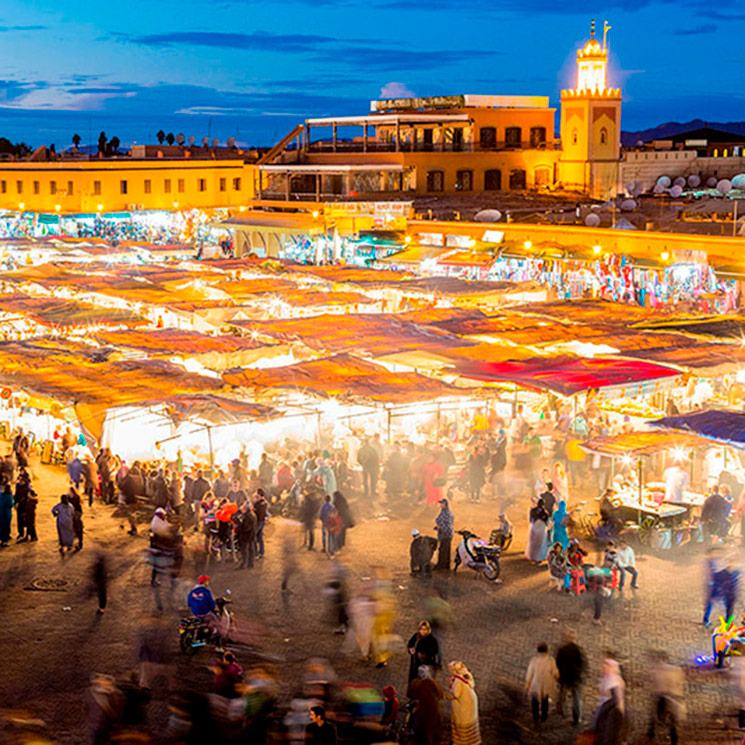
x=626 y=557
x=676 y=481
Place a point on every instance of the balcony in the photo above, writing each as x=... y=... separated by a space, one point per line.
x=325 y=146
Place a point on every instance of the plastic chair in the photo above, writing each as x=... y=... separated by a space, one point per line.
x=579 y=583
x=615 y=579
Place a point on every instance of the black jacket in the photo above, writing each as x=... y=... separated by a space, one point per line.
x=571 y=664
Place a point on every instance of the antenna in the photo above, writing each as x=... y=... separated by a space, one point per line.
x=606 y=28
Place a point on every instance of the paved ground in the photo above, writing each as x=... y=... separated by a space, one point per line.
x=52 y=641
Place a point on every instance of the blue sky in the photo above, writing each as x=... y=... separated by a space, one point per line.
x=253 y=69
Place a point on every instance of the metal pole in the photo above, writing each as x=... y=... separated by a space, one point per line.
x=734 y=223
x=212 y=454
x=389 y=426
x=318 y=428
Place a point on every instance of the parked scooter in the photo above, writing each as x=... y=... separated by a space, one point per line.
x=478 y=555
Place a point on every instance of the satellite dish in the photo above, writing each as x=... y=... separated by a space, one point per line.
x=693 y=181
x=628 y=205
x=180 y=139
x=664 y=181
x=711 y=182
x=680 y=181
x=592 y=220
x=724 y=186
x=191 y=140
x=739 y=181
x=231 y=142
x=676 y=191
x=488 y=216
x=215 y=142
x=205 y=141
x=658 y=189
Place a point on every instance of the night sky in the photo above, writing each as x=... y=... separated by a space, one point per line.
x=252 y=70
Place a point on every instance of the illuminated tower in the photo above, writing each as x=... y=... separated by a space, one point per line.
x=591 y=124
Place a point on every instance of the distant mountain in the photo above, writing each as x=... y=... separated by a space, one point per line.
x=663 y=131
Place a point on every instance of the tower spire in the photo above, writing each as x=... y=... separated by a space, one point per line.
x=606 y=28
x=592 y=28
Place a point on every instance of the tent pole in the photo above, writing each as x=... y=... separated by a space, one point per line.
x=389 y=426
x=212 y=454
x=318 y=428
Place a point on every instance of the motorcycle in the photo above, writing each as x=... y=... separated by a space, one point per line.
x=478 y=555
x=196 y=632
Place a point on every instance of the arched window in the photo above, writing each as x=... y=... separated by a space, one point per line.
x=574 y=136
x=716 y=152
x=603 y=135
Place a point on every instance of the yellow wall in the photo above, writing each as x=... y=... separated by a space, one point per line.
x=53 y=181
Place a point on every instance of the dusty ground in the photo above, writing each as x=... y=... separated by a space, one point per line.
x=53 y=641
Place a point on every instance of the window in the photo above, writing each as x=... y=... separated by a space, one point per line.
x=148 y=186
x=725 y=153
x=603 y=135
x=537 y=136
x=236 y=184
x=464 y=180
x=488 y=137
x=96 y=188
x=3 y=186
x=52 y=187
x=122 y=187
x=167 y=186
x=223 y=184
x=19 y=187
x=180 y=186
x=517 y=178
x=202 y=184
x=513 y=137
x=37 y=187
x=574 y=136
x=542 y=176
x=69 y=188
x=492 y=180
x=435 y=180
x=716 y=152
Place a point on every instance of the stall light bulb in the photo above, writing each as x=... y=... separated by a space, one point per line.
x=665 y=255
x=21 y=206
x=57 y=207
x=596 y=250
x=626 y=460
x=100 y=207
x=528 y=245
x=175 y=205
x=315 y=213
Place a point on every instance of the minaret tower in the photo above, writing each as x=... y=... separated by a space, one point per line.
x=591 y=123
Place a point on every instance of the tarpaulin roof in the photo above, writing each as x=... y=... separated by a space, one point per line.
x=720 y=327
x=589 y=311
x=211 y=409
x=171 y=342
x=70 y=373
x=642 y=443
x=722 y=426
x=336 y=273
x=247 y=288
x=53 y=312
x=456 y=286
x=345 y=376
x=362 y=332
x=566 y=375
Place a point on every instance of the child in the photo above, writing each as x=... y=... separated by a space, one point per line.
x=390 y=706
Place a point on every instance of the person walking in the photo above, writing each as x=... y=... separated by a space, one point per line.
x=368 y=458
x=342 y=507
x=464 y=718
x=627 y=563
x=444 y=526
x=570 y=662
x=65 y=515
x=77 y=518
x=324 y=514
x=308 y=514
x=23 y=486
x=426 y=721
x=540 y=682
x=246 y=534
x=559 y=522
x=90 y=478
x=99 y=582
x=29 y=515
x=261 y=509
x=537 y=549
x=667 y=682
x=6 y=514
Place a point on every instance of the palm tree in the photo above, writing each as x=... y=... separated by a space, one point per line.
x=76 y=140
x=161 y=135
x=170 y=139
x=114 y=144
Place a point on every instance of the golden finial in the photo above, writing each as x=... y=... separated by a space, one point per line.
x=606 y=28
x=592 y=28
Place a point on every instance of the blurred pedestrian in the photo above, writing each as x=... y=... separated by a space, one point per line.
x=261 y=510
x=245 y=529
x=570 y=662
x=426 y=721
x=666 y=686
x=444 y=526
x=465 y=705
x=105 y=706
x=77 y=517
x=99 y=582
x=537 y=549
x=342 y=507
x=308 y=515
x=6 y=513
x=540 y=682
x=609 y=718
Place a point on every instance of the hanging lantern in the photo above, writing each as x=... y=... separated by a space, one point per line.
x=6 y=393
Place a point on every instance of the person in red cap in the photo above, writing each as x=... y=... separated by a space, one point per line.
x=202 y=605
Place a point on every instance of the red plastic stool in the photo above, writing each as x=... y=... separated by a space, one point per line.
x=579 y=583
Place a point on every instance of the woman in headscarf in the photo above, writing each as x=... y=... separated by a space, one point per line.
x=558 y=567
x=560 y=522
x=537 y=548
x=465 y=713
x=424 y=650
x=65 y=515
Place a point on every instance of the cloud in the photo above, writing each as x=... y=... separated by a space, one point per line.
x=259 y=41
x=702 y=28
x=4 y=29
x=395 y=60
x=396 y=90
